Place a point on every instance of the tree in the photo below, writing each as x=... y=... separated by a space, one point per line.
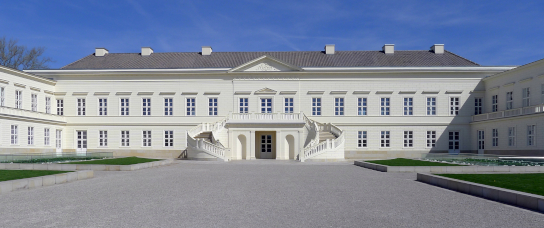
x=20 y=57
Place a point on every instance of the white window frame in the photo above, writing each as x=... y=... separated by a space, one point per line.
x=362 y=139
x=48 y=105
x=213 y=106
x=14 y=135
x=288 y=104
x=271 y=104
x=385 y=106
x=454 y=108
x=362 y=106
x=509 y=100
x=339 y=106
x=531 y=135
x=408 y=108
x=243 y=104
x=495 y=103
x=81 y=106
x=431 y=139
x=168 y=138
x=125 y=138
x=46 y=137
x=542 y=93
x=168 y=106
x=30 y=134
x=124 y=106
x=385 y=139
x=146 y=138
x=190 y=109
x=408 y=139
x=103 y=138
x=146 y=106
x=34 y=102
x=60 y=107
x=431 y=106
x=478 y=105
x=317 y=106
x=18 y=99
x=494 y=137
x=102 y=106
x=526 y=97
x=512 y=136
x=2 y=96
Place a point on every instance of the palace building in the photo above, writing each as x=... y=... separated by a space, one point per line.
x=296 y=105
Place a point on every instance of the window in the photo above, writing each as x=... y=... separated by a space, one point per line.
x=541 y=94
x=30 y=135
x=103 y=138
x=408 y=139
x=531 y=135
x=34 y=102
x=339 y=106
x=168 y=106
x=191 y=106
x=289 y=105
x=81 y=106
x=431 y=106
x=168 y=138
x=146 y=138
x=511 y=136
x=361 y=106
x=431 y=139
x=14 y=135
x=454 y=106
x=361 y=139
x=266 y=105
x=48 y=105
x=46 y=137
x=478 y=106
x=385 y=139
x=102 y=106
x=2 y=96
x=526 y=100
x=316 y=106
x=495 y=137
x=125 y=138
x=244 y=105
x=509 y=101
x=408 y=106
x=385 y=106
x=495 y=103
x=481 y=140
x=146 y=106
x=18 y=99
x=212 y=106
x=125 y=106
x=60 y=107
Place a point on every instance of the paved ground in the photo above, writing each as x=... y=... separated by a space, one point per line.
x=255 y=194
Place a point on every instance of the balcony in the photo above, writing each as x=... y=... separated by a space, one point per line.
x=264 y=118
x=22 y=113
x=509 y=113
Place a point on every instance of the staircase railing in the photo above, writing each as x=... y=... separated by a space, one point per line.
x=326 y=146
x=217 y=149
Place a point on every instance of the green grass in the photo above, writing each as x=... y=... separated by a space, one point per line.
x=6 y=175
x=527 y=182
x=408 y=162
x=117 y=161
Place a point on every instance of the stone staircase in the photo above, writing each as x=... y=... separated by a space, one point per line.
x=205 y=135
x=324 y=135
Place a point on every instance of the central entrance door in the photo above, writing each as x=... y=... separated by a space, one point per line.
x=266 y=147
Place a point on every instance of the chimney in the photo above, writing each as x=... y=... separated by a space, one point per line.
x=388 y=48
x=100 y=51
x=206 y=50
x=146 y=51
x=438 y=48
x=329 y=49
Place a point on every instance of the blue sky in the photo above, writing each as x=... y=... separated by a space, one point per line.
x=487 y=32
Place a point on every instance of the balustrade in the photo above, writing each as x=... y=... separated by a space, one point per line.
x=510 y=113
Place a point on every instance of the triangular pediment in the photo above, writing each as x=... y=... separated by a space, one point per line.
x=265 y=90
x=265 y=64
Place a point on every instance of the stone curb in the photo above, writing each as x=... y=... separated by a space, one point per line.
x=37 y=182
x=515 y=198
x=449 y=169
x=74 y=167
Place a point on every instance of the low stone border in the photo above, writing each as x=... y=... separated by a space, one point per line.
x=516 y=198
x=450 y=169
x=37 y=182
x=95 y=167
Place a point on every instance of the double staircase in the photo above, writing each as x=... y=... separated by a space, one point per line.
x=202 y=143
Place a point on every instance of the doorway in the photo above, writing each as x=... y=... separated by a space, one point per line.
x=81 y=142
x=265 y=144
x=454 y=142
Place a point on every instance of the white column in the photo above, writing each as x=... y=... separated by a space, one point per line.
x=252 y=143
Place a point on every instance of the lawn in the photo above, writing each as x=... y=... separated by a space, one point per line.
x=117 y=161
x=6 y=175
x=408 y=162
x=527 y=182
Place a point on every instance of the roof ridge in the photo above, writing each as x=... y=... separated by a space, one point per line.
x=462 y=57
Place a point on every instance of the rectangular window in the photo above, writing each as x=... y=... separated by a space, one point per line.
x=408 y=139
x=146 y=106
x=454 y=106
x=30 y=135
x=361 y=139
x=339 y=106
x=191 y=106
x=102 y=106
x=244 y=105
x=266 y=105
x=212 y=106
x=14 y=135
x=103 y=138
x=48 y=105
x=289 y=105
x=385 y=106
x=34 y=102
x=125 y=138
x=481 y=140
x=431 y=106
x=2 y=96
x=511 y=136
x=124 y=107
x=526 y=98
x=18 y=99
x=81 y=106
x=509 y=100
x=60 y=107
x=385 y=139
x=316 y=106
x=46 y=137
x=146 y=138
x=408 y=106
x=168 y=138
x=478 y=106
x=531 y=135
x=495 y=103
x=431 y=139
x=168 y=106
x=541 y=94
x=495 y=137
x=361 y=106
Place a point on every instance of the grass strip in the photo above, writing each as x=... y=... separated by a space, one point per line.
x=526 y=182
x=409 y=162
x=6 y=175
x=117 y=161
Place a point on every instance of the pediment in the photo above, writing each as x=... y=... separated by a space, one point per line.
x=265 y=64
x=265 y=90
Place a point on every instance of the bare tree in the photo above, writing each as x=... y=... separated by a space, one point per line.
x=20 y=57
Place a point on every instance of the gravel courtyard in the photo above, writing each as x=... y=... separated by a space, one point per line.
x=262 y=193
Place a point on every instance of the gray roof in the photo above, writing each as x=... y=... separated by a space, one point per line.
x=177 y=60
